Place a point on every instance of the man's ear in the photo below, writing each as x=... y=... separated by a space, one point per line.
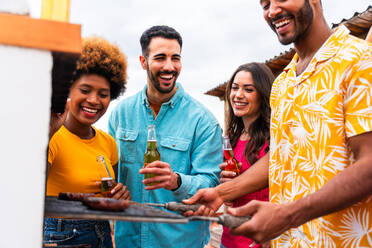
x=143 y=62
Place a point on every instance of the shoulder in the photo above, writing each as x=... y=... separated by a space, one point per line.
x=125 y=109
x=355 y=56
x=102 y=136
x=354 y=49
x=127 y=103
x=60 y=135
x=195 y=109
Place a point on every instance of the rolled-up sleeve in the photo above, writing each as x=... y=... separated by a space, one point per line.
x=206 y=155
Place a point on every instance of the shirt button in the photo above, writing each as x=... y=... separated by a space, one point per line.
x=125 y=136
x=174 y=145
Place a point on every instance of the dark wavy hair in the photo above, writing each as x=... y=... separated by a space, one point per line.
x=259 y=131
x=98 y=56
x=158 y=31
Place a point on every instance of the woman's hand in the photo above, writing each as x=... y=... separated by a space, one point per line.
x=120 y=192
x=57 y=119
x=226 y=176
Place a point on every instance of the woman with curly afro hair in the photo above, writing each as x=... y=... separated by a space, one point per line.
x=80 y=155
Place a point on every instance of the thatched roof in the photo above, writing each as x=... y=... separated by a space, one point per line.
x=358 y=25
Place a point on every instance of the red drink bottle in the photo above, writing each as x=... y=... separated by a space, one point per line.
x=232 y=163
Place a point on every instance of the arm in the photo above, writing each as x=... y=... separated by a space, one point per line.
x=347 y=188
x=253 y=179
x=57 y=119
x=352 y=185
x=205 y=155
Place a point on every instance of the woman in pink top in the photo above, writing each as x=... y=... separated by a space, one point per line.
x=247 y=94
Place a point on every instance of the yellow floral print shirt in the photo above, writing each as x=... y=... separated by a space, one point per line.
x=312 y=117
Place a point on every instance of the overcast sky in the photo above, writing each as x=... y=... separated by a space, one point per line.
x=218 y=36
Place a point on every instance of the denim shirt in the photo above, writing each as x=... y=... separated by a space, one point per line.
x=189 y=139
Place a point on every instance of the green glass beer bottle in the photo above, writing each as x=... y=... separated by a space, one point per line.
x=151 y=153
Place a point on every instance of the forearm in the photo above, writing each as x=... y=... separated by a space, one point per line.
x=253 y=179
x=347 y=188
x=192 y=183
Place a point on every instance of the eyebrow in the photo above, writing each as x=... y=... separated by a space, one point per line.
x=89 y=86
x=245 y=84
x=163 y=54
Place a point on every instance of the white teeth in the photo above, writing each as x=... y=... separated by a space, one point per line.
x=90 y=110
x=240 y=104
x=281 y=23
x=167 y=77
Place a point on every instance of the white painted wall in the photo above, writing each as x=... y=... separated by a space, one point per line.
x=25 y=83
x=19 y=7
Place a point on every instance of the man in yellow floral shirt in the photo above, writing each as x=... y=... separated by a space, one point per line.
x=320 y=166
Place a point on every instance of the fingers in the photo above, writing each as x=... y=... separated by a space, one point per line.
x=204 y=211
x=195 y=198
x=223 y=165
x=120 y=192
x=157 y=164
x=159 y=182
x=162 y=171
x=208 y=197
x=164 y=176
x=249 y=228
x=226 y=176
x=248 y=209
x=156 y=170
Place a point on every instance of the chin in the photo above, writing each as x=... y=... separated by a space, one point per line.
x=89 y=122
x=238 y=113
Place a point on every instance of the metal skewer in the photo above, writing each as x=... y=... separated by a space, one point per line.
x=227 y=220
x=175 y=206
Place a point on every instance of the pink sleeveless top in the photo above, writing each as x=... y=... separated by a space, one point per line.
x=228 y=240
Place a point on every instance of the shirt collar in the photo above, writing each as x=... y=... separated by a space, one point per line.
x=172 y=102
x=327 y=50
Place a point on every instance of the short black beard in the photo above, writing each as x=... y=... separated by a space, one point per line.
x=156 y=83
x=304 y=19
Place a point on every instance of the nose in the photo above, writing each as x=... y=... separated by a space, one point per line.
x=168 y=66
x=274 y=9
x=93 y=99
x=240 y=92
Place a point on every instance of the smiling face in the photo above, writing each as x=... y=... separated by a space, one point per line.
x=163 y=64
x=244 y=98
x=89 y=99
x=290 y=19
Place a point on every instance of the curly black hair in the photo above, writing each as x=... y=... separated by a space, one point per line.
x=158 y=31
x=100 y=57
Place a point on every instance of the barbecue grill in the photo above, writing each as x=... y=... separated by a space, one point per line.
x=136 y=212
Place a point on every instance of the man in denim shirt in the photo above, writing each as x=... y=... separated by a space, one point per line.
x=189 y=142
